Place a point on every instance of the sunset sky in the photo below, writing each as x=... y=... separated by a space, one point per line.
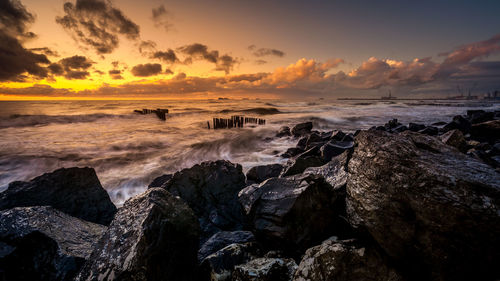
x=205 y=49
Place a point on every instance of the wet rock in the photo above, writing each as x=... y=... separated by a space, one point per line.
x=486 y=131
x=338 y=135
x=480 y=116
x=302 y=143
x=459 y=123
x=348 y=137
x=223 y=239
x=42 y=243
x=430 y=130
x=302 y=129
x=344 y=260
x=284 y=132
x=334 y=148
x=454 y=138
x=291 y=152
x=259 y=174
x=430 y=207
x=211 y=190
x=334 y=172
x=439 y=123
x=154 y=236
x=265 y=269
x=299 y=164
x=399 y=129
x=159 y=181
x=220 y=265
x=295 y=212
x=75 y=191
x=392 y=124
x=414 y=127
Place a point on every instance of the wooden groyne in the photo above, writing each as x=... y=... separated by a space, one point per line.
x=234 y=122
x=160 y=112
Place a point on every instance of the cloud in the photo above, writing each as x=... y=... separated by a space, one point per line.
x=260 y=62
x=46 y=51
x=145 y=70
x=168 y=56
x=14 y=18
x=75 y=67
x=302 y=70
x=262 y=52
x=97 y=24
x=115 y=74
x=146 y=47
x=199 y=51
x=162 y=18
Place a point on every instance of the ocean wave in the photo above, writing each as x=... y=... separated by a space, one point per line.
x=20 y=120
x=257 y=110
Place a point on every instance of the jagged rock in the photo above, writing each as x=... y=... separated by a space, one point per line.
x=291 y=152
x=42 y=243
x=399 y=129
x=302 y=129
x=222 y=239
x=265 y=269
x=334 y=148
x=313 y=139
x=211 y=190
x=154 y=236
x=488 y=131
x=459 y=123
x=159 y=181
x=299 y=164
x=454 y=138
x=259 y=174
x=429 y=130
x=334 y=172
x=344 y=260
x=439 y=123
x=75 y=191
x=430 y=207
x=302 y=143
x=284 y=132
x=338 y=135
x=414 y=127
x=295 y=212
x=480 y=116
x=220 y=265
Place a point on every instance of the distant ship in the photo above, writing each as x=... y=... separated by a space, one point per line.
x=389 y=97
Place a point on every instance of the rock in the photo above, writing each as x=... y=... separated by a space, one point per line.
x=42 y=243
x=439 y=123
x=159 y=181
x=295 y=212
x=265 y=269
x=154 y=236
x=399 y=129
x=415 y=127
x=223 y=239
x=334 y=148
x=302 y=129
x=430 y=207
x=392 y=124
x=334 y=172
x=259 y=174
x=284 y=132
x=459 y=123
x=314 y=139
x=220 y=265
x=480 y=116
x=348 y=137
x=302 y=143
x=454 y=138
x=75 y=191
x=299 y=164
x=338 y=135
x=211 y=190
x=429 y=130
x=344 y=260
x=291 y=152
x=487 y=131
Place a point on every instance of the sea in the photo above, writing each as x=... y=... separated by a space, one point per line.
x=128 y=150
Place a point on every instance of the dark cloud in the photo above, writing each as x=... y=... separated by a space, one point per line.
x=162 y=18
x=145 y=70
x=147 y=47
x=168 y=71
x=46 y=51
x=169 y=56
x=262 y=52
x=97 y=24
x=260 y=62
x=75 y=67
x=199 y=51
x=14 y=18
x=115 y=74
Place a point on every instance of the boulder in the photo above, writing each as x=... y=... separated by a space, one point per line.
x=42 y=243
x=454 y=138
x=480 y=116
x=265 y=269
x=337 y=135
x=302 y=143
x=414 y=127
x=220 y=265
x=295 y=212
x=222 y=239
x=429 y=130
x=344 y=260
x=334 y=172
x=392 y=124
x=259 y=174
x=460 y=123
x=291 y=152
x=302 y=129
x=313 y=139
x=159 y=181
x=334 y=148
x=430 y=207
x=284 y=132
x=211 y=190
x=154 y=236
x=75 y=191
x=299 y=164
x=487 y=131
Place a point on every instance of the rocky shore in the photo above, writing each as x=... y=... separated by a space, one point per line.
x=395 y=202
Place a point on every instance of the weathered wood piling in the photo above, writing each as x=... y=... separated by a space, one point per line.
x=161 y=113
x=234 y=122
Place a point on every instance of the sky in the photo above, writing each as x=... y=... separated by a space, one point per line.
x=95 y=49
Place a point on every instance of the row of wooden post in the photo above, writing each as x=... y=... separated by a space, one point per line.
x=160 y=112
x=234 y=122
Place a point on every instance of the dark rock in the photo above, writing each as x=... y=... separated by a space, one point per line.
x=222 y=239
x=220 y=265
x=302 y=143
x=154 y=236
x=392 y=124
x=380 y=128
x=348 y=137
x=399 y=129
x=294 y=213
x=334 y=148
x=338 y=135
x=459 y=123
x=429 y=130
x=211 y=190
x=265 y=269
x=334 y=172
x=75 y=191
x=284 y=132
x=415 y=127
x=344 y=260
x=488 y=131
x=159 y=181
x=357 y=132
x=430 y=207
x=42 y=243
x=299 y=164
x=291 y=152
x=302 y=129
x=439 y=123
x=313 y=138
x=454 y=138
x=259 y=174
x=480 y=116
